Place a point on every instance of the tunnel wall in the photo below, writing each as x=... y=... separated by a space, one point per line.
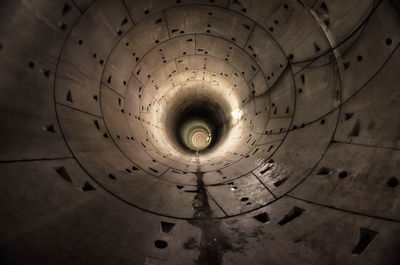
x=318 y=144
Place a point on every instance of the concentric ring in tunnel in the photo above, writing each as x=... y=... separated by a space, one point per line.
x=198 y=124
x=196 y=135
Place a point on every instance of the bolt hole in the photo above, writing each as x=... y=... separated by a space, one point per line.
x=160 y=244
x=392 y=182
x=343 y=174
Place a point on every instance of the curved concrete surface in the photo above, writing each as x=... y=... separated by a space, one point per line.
x=305 y=167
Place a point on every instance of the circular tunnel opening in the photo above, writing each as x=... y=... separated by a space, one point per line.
x=198 y=125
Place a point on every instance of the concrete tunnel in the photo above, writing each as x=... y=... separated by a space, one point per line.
x=200 y=132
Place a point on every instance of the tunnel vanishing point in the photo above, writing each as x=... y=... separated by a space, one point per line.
x=200 y=132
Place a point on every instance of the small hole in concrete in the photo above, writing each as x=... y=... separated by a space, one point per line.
x=322 y=121
x=262 y=217
x=87 y=187
x=280 y=182
x=80 y=42
x=324 y=7
x=31 y=64
x=323 y=171
x=96 y=123
x=343 y=174
x=294 y=213
x=348 y=116
x=128 y=170
x=392 y=182
x=62 y=26
x=50 y=128
x=265 y=170
x=69 y=96
x=303 y=79
x=356 y=129
x=124 y=21
x=166 y=227
x=160 y=244
x=46 y=73
x=244 y=199
x=111 y=176
x=316 y=47
x=66 y=9
x=63 y=173
x=154 y=170
x=359 y=58
x=366 y=236
x=388 y=41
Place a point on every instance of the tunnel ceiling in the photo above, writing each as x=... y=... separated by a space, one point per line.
x=296 y=160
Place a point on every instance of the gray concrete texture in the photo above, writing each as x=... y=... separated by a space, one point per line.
x=307 y=175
